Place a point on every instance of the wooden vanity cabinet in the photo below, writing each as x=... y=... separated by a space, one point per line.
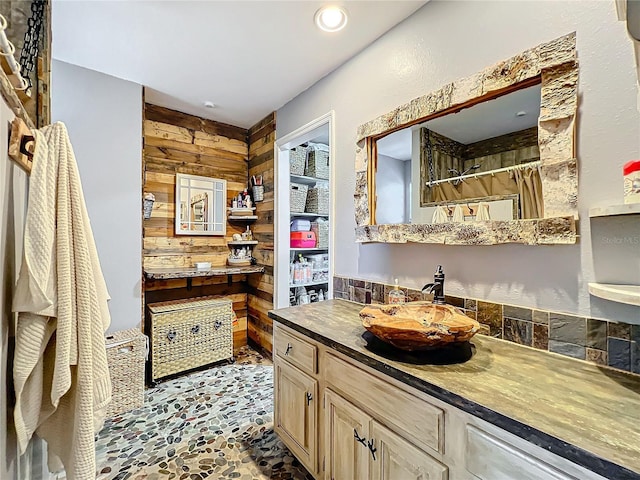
x=296 y=394
x=398 y=458
x=367 y=425
x=295 y=417
x=346 y=430
x=360 y=448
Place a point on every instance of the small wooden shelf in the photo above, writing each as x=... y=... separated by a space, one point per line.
x=629 y=294
x=243 y=242
x=309 y=284
x=242 y=218
x=614 y=210
x=185 y=272
x=307 y=180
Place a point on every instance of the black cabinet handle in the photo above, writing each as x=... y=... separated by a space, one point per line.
x=358 y=438
x=171 y=335
x=289 y=347
x=195 y=329
x=372 y=449
x=217 y=324
x=309 y=398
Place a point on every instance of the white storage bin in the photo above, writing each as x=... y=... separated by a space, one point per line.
x=300 y=225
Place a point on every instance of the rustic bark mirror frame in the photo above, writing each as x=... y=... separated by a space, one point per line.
x=554 y=65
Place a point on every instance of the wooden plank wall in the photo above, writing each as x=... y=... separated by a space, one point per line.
x=261 y=162
x=175 y=142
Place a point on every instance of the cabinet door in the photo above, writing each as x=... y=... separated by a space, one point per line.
x=346 y=435
x=295 y=402
x=490 y=458
x=391 y=457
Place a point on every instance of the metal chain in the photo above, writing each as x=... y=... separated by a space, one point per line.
x=427 y=141
x=31 y=47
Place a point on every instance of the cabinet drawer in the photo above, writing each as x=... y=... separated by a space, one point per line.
x=490 y=458
x=295 y=350
x=417 y=419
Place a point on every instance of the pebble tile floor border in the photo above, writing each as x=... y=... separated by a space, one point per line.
x=215 y=424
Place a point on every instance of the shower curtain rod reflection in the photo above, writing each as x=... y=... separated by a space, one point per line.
x=461 y=178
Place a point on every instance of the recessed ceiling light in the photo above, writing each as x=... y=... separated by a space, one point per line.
x=521 y=113
x=331 y=18
x=209 y=104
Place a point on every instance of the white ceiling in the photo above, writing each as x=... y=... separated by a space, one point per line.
x=247 y=57
x=480 y=122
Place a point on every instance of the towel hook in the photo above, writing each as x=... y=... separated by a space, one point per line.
x=449 y=210
x=21 y=144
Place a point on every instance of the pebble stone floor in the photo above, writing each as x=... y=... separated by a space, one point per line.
x=215 y=424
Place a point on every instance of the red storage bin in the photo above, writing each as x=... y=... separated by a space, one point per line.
x=303 y=240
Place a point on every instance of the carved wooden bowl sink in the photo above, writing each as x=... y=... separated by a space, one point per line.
x=418 y=325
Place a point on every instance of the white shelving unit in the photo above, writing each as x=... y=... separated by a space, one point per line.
x=308 y=284
x=318 y=131
x=629 y=294
x=294 y=252
x=307 y=215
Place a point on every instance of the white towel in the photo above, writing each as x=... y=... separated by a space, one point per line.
x=482 y=215
x=458 y=216
x=440 y=215
x=61 y=377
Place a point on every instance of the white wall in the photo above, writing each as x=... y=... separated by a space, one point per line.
x=408 y=211
x=445 y=41
x=391 y=189
x=104 y=117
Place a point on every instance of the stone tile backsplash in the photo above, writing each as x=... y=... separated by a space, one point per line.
x=615 y=345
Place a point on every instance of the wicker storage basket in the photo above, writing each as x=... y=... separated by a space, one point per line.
x=317 y=164
x=126 y=353
x=187 y=334
x=297 y=160
x=318 y=201
x=298 y=197
x=321 y=229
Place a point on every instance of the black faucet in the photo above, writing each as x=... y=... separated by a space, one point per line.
x=437 y=287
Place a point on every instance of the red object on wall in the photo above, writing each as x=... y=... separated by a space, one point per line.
x=630 y=167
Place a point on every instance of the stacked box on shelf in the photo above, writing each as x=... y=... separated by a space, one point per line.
x=321 y=229
x=297 y=160
x=298 y=197
x=320 y=266
x=318 y=200
x=317 y=162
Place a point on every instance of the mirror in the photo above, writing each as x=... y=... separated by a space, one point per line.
x=487 y=159
x=482 y=160
x=200 y=205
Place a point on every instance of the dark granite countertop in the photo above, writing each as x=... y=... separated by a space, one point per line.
x=584 y=413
